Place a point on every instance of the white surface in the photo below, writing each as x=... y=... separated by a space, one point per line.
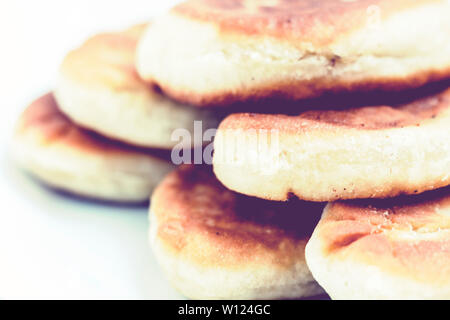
x=53 y=246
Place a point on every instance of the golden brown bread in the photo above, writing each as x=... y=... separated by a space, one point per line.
x=365 y=118
x=99 y=89
x=249 y=50
x=43 y=121
x=309 y=22
x=48 y=145
x=209 y=240
x=396 y=249
x=369 y=152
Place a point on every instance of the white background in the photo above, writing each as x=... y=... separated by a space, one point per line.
x=53 y=246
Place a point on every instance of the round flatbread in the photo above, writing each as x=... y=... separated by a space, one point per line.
x=326 y=155
x=48 y=145
x=215 y=52
x=384 y=249
x=215 y=244
x=99 y=89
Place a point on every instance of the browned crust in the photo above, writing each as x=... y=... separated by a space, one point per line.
x=106 y=59
x=313 y=27
x=298 y=90
x=367 y=118
x=316 y=22
x=207 y=224
x=371 y=232
x=43 y=120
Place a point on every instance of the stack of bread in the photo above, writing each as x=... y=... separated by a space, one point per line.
x=337 y=181
x=103 y=133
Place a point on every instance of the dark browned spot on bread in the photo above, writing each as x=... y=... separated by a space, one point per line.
x=203 y=203
x=410 y=113
x=383 y=117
